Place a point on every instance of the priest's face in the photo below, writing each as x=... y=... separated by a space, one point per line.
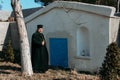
x=40 y=30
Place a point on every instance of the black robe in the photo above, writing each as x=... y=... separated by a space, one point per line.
x=39 y=52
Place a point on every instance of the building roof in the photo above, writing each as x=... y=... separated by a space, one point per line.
x=96 y=9
x=29 y=11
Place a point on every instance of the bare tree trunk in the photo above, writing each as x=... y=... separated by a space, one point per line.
x=118 y=2
x=24 y=44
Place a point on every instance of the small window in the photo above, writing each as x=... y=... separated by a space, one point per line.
x=83 y=42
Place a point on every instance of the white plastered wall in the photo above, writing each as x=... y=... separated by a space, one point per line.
x=65 y=22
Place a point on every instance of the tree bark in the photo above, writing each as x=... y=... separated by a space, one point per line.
x=24 y=44
x=118 y=3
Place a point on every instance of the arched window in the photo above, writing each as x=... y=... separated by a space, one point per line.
x=83 y=42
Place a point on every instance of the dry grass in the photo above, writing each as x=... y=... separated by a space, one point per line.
x=10 y=71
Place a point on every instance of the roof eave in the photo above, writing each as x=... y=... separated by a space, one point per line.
x=97 y=9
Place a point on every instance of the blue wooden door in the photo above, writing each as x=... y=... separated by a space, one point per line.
x=59 y=52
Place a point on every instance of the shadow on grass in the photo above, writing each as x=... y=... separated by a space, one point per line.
x=4 y=72
x=45 y=68
x=5 y=67
x=60 y=79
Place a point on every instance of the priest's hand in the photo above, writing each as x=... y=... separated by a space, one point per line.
x=43 y=43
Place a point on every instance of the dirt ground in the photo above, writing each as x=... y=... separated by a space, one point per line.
x=10 y=71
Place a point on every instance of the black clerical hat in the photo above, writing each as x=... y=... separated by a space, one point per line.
x=40 y=26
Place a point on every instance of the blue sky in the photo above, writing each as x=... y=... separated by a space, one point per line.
x=25 y=4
